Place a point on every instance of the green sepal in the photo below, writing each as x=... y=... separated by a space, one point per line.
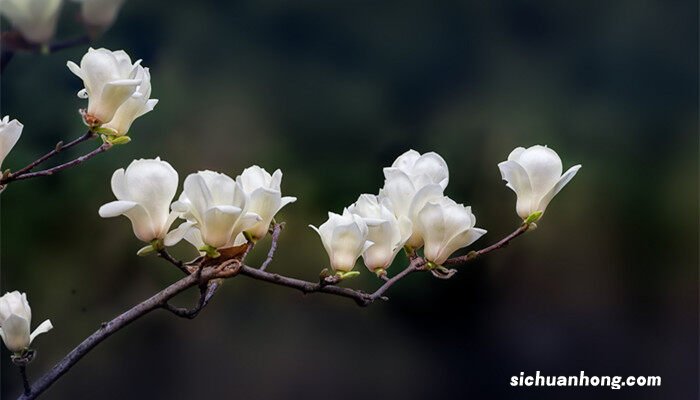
x=347 y=275
x=410 y=251
x=210 y=251
x=115 y=140
x=249 y=237
x=146 y=251
x=534 y=217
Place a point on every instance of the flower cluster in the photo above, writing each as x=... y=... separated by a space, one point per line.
x=36 y=20
x=218 y=211
x=412 y=212
x=409 y=212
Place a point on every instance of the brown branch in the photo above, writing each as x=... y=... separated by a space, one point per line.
x=25 y=379
x=50 y=171
x=498 y=245
x=57 y=149
x=109 y=328
x=276 y=230
x=172 y=260
x=206 y=292
x=208 y=277
x=360 y=297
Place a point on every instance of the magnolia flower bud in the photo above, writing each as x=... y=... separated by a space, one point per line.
x=15 y=322
x=135 y=106
x=385 y=231
x=345 y=238
x=264 y=197
x=110 y=79
x=100 y=14
x=534 y=174
x=144 y=192
x=216 y=206
x=446 y=227
x=10 y=132
x=35 y=19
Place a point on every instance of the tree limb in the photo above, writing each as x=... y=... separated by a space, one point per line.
x=57 y=149
x=498 y=245
x=50 y=171
x=209 y=275
x=172 y=260
x=276 y=230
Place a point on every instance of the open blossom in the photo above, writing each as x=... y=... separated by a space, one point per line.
x=15 y=322
x=10 y=131
x=135 y=106
x=385 y=231
x=345 y=238
x=446 y=227
x=100 y=13
x=34 y=19
x=535 y=175
x=412 y=181
x=264 y=197
x=144 y=192
x=216 y=210
x=110 y=79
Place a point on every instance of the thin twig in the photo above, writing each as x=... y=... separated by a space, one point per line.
x=360 y=297
x=57 y=149
x=50 y=171
x=205 y=295
x=498 y=245
x=273 y=246
x=25 y=379
x=172 y=260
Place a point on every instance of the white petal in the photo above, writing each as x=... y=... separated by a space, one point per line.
x=15 y=333
x=543 y=166
x=116 y=208
x=176 y=235
x=42 y=328
x=568 y=175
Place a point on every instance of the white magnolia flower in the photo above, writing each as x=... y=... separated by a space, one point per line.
x=426 y=169
x=100 y=13
x=15 y=322
x=345 y=238
x=214 y=205
x=10 y=131
x=387 y=233
x=411 y=181
x=264 y=197
x=534 y=174
x=446 y=227
x=135 y=106
x=35 y=19
x=110 y=79
x=144 y=192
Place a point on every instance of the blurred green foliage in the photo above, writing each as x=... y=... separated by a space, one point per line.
x=330 y=92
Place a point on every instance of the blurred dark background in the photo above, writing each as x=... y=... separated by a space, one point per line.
x=330 y=92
